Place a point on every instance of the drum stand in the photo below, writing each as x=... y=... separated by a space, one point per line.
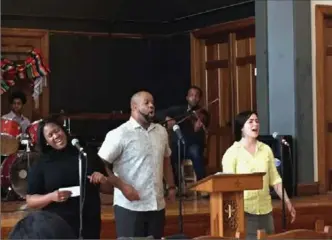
x=27 y=143
x=11 y=195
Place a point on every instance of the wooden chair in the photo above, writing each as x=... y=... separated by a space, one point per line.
x=188 y=174
x=320 y=232
x=238 y=235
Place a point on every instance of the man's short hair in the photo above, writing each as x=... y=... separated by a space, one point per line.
x=42 y=225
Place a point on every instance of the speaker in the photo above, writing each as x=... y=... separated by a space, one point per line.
x=283 y=159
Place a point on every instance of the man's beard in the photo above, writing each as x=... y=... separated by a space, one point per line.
x=147 y=117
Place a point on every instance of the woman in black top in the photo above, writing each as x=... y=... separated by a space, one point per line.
x=58 y=168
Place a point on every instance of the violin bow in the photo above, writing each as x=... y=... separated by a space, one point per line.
x=197 y=116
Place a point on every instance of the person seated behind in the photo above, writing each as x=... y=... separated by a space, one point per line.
x=17 y=101
x=58 y=168
x=41 y=225
x=193 y=131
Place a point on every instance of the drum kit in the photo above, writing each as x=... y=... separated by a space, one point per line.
x=18 y=153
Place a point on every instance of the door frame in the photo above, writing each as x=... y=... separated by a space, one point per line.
x=321 y=11
x=43 y=35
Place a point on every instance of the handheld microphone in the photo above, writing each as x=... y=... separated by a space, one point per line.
x=282 y=140
x=76 y=144
x=178 y=132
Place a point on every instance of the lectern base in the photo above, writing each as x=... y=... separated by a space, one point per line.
x=232 y=219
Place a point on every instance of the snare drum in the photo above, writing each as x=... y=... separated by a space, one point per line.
x=14 y=171
x=32 y=131
x=10 y=130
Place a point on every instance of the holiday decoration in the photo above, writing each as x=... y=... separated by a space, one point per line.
x=33 y=70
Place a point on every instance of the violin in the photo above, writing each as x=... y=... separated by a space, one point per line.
x=199 y=118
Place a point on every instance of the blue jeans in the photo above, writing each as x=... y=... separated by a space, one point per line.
x=195 y=153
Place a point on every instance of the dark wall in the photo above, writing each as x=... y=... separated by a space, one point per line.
x=99 y=74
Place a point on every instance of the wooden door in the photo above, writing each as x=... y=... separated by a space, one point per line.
x=324 y=95
x=328 y=94
x=223 y=63
x=15 y=44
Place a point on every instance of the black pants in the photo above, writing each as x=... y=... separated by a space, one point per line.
x=139 y=224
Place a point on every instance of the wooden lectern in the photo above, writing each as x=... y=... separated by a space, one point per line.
x=226 y=200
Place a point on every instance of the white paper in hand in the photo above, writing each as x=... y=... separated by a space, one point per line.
x=75 y=191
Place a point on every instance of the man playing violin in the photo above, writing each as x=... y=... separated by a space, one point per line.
x=192 y=129
x=17 y=101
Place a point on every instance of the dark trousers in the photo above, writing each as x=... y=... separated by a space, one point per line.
x=139 y=224
x=258 y=222
x=195 y=153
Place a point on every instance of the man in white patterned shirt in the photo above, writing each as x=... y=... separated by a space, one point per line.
x=17 y=101
x=140 y=155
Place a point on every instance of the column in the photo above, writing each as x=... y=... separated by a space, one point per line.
x=284 y=78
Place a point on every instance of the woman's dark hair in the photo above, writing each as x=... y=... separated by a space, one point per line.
x=18 y=95
x=42 y=143
x=42 y=225
x=240 y=120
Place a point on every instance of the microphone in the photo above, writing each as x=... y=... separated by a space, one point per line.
x=277 y=162
x=178 y=132
x=283 y=141
x=76 y=144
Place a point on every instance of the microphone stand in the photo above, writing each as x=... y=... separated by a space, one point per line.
x=294 y=174
x=283 y=189
x=180 y=186
x=80 y=155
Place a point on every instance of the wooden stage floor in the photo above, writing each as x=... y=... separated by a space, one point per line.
x=195 y=215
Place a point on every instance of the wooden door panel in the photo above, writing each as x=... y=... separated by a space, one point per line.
x=212 y=84
x=328 y=94
x=211 y=52
x=226 y=115
x=245 y=82
x=218 y=86
x=244 y=100
x=15 y=45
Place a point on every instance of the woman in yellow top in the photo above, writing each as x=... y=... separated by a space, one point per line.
x=248 y=155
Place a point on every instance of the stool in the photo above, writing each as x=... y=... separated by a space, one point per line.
x=188 y=175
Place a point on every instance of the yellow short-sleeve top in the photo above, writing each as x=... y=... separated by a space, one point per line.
x=238 y=160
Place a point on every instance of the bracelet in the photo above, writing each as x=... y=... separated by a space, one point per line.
x=171 y=187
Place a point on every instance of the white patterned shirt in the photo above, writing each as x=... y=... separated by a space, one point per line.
x=138 y=156
x=23 y=121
